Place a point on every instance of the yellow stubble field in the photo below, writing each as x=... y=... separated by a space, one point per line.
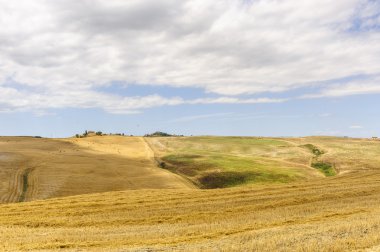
x=337 y=213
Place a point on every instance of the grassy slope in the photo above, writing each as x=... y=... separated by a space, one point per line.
x=228 y=161
x=44 y=168
x=347 y=155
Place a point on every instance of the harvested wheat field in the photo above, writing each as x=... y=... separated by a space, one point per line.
x=296 y=194
x=35 y=168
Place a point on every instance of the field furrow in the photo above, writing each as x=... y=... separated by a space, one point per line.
x=91 y=206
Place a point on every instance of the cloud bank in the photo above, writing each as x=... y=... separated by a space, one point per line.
x=60 y=52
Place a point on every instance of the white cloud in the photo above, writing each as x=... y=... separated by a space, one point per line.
x=229 y=47
x=233 y=100
x=12 y=99
x=200 y=117
x=356 y=127
x=354 y=87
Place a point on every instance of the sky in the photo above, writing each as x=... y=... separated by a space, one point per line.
x=192 y=67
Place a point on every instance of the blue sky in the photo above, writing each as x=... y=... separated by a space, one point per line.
x=355 y=116
x=262 y=68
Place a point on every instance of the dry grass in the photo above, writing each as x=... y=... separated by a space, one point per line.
x=336 y=214
x=64 y=167
x=340 y=213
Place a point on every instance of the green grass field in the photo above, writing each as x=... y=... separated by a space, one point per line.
x=218 y=162
x=217 y=170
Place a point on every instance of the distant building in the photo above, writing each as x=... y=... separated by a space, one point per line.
x=375 y=138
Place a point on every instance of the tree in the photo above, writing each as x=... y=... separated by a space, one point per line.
x=158 y=134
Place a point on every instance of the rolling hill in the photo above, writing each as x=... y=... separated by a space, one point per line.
x=235 y=161
x=284 y=204
x=36 y=168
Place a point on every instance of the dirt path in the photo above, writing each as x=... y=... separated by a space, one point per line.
x=25 y=184
x=152 y=156
x=19 y=186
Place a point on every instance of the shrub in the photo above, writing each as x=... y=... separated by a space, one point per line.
x=162 y=165
x=326 y=168
x=314 y=149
